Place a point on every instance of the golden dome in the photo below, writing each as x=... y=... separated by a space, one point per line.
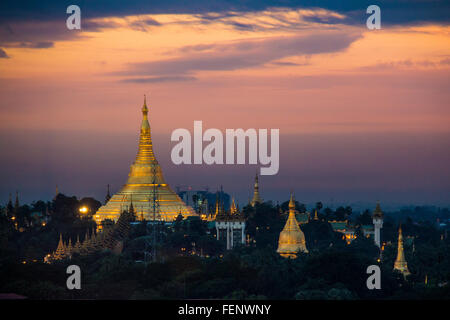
x=292 y=240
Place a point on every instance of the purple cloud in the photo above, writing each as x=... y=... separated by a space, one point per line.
x=243 y=54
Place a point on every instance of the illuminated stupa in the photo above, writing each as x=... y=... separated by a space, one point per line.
x=292 y=239
x=400 y=263
x=145 y=190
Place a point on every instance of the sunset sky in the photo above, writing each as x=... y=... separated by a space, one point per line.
x=363 y=114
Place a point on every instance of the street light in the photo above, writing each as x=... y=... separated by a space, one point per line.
x=84 y=209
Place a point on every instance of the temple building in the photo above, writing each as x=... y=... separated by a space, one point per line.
x=256 y=197
x=400 y=263
x=145 y=186
x=230 y=225
x=292 y=240
x=348 y=231
x=377 y=219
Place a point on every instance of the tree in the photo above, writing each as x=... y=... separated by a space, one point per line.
x=340 y=214
x=364 y=219
x=328 y=214
x=319 y=206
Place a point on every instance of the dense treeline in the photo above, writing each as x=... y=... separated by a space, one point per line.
x=191 y=263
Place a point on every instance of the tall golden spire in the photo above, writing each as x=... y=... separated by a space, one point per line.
x=292 y=240
x=144 y=107
x=256 y=198
x=400 y=263
x=145 y=182
x=145 y=153
x=316 y=217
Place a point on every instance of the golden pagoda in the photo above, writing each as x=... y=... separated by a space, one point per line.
x=400 y=263
x=233 y=208
x=256 y=198
x=292 y=239
x=145 y=186
x=60 y=252
x=77 y=246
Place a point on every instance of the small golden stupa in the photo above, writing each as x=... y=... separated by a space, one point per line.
x=400 y=263
x=292 y=239
x=256 y=197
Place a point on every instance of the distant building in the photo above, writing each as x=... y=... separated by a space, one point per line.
x=202 y=201
x=368 y=231
x=303 y=217
x=230 y=225
x=377 y=219
x=348 y=232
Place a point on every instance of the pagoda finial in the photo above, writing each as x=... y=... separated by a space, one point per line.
x=233 y=208
x=292 y=202
x=144 y=107
x=145 y=152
